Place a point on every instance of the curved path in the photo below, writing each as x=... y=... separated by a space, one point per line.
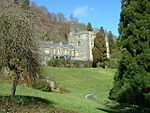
x=91 y=97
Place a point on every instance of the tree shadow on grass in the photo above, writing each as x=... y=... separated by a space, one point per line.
x=110 y=110
x=124 y=109
x=24 y=100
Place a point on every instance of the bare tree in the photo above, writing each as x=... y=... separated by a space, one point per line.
x=17 y=40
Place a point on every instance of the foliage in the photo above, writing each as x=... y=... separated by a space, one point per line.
x=41 y=85
x=99 y=50
x=133 y=76
x=55 y=26
x=89 y=27
x=25 y=4
x=69 y=63
x=17 y=37
x=113 y=62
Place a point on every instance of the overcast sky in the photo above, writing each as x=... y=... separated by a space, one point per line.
x=104 y=13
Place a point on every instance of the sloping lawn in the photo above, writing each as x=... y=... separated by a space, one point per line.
x=78 y=81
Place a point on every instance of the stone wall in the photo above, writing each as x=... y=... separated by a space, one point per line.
x=83 y=41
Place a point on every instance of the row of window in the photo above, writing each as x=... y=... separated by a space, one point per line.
x=60 y=52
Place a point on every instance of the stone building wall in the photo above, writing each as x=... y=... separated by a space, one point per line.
x=83 y=41
x=79 y=47
x=49 y=50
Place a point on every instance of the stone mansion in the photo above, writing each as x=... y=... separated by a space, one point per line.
x=79 y=47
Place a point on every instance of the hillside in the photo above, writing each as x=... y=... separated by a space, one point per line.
x=79 y=82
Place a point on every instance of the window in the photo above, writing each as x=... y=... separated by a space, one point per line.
x=92 y=42
x=47 y=51
x=79 y=43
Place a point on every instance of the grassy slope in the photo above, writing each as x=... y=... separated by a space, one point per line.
x=78 y=81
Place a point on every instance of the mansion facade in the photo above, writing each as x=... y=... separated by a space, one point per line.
x=79 y=47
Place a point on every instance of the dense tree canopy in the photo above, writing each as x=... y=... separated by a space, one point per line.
x=132 y=82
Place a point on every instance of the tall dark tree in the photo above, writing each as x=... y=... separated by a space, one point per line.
x=99 y=50
x=132 y=82
x=89 y=27
x=101 y=30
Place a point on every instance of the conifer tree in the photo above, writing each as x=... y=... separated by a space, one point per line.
x=102 y=30
x=132 y=81
x=89 y=27
x=99 y=50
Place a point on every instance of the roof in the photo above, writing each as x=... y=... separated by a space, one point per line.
x=47 y=44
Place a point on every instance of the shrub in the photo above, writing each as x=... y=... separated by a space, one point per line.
x=69 y=63
x=113 y=62
x=41 y=85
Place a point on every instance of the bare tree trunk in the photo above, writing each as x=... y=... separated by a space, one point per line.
x=15 y=83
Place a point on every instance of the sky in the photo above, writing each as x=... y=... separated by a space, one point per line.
x=99 y=13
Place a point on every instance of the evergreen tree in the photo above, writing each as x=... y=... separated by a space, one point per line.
x=89 y=27
x=132 y=81
x=111 y=41
x=99 y=50
x=102 y=30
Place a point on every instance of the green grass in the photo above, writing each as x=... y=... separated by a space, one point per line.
x=79 y=81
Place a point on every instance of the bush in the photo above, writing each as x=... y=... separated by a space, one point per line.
x=69 y=63
x=41 y=85
x=113 y=62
